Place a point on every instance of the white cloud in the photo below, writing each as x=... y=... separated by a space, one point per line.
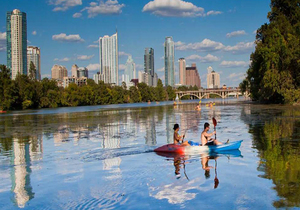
x=212 y=12
x=93 y=46
x=110 y=7
x=77 y=15
x=93 y=67
x=63 y=5
x=206 y=45
x=2 y=41
x=34 y=33
x=206 y=59
x=62 y=60
x=174 y=8
x=123 y=54
x=254 y=32
x=67 y=38
x=235 y=33
x=162 y=69
x=139 y=67
x=240 y=47
x=84 y=57
x=46 y=75
x=234 y=64
x=236 y=76
x=122 y=67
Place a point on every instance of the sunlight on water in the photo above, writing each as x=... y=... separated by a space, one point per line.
x=102 y=157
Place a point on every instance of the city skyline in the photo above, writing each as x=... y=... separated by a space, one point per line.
x=221 y=34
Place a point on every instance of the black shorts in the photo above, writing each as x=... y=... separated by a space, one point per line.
x=210 y=143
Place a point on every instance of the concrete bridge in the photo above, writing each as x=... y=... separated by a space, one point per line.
x=204 y=93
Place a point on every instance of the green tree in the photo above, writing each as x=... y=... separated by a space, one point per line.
x=135 y=94
x=160 y=91
x=32 y=71
x=170 y=93
x=274 y=72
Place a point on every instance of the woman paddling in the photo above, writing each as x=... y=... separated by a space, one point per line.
x=177 y=138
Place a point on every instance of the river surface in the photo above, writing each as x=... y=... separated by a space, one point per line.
x=101 y=157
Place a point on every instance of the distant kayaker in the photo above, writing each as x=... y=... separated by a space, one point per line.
x=206 y=138
x=178 y=139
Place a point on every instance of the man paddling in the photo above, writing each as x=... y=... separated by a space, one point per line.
x=206 y=138
x=177 y=138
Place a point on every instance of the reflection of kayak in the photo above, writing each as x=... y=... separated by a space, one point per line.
x=178 y=149
x=1 y=111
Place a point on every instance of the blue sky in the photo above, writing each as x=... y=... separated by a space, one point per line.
x=217 y=33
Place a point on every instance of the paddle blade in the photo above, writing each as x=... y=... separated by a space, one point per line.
x=214 y=121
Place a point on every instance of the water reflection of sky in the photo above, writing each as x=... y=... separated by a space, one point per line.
x=103 y=159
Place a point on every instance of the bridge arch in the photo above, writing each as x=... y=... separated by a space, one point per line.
x=189 y=94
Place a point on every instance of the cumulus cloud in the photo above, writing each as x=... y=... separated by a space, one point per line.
x=93 y=46
x=206 y=45
x=162 y=69
x=34 y=33
x=84 y=57
x=122 y=67
x=63 y=5
x=110 y=7
x=212 y=12
x=123 y=54
x=2 y=41
x=62 y=60
x=236 y=76
x=206 y=59
x=235 y=33
x=241 y=47
x=174 y=8
x=67 y=38
x=93 y=67
x=77 y=15
x=234 y=64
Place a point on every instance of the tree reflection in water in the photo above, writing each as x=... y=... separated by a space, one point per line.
x=276 y=135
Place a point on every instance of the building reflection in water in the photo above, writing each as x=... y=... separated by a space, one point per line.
x=23 y=153
x=150 y=131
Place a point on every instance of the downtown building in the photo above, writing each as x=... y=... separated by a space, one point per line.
x=34 y=56
x=16 y=39
x=149 y=67
x=169 y=62
x=192 y=76
x=182 y=71
x=129 y=73
x=58 y=73
x=108 y=57
x=79 y=76
x=213 y=78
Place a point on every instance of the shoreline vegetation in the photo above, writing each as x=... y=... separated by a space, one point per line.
x=26 y=92
x=274 y=72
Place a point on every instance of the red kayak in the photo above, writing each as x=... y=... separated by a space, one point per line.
x=172 y=148
x=2 y=112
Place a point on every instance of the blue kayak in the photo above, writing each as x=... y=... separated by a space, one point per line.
x=196 y=147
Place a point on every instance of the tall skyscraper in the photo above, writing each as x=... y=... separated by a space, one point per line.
x=34 y=56
x=108 y=53
x=169 y=62
x=16 y=39
x=182 y=71
x=149 y=65
x=74 y=71
x=192 y=76
x=213 y=78
x=129 y=73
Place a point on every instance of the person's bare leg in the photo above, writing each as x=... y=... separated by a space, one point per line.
x=217 y=142
x=186 y=143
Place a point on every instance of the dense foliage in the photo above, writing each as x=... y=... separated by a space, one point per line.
x=274 y=73
x=26 y=93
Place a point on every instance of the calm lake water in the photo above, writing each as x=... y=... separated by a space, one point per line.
x=101 y=157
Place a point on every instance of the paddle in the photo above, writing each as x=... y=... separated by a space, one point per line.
x=215 y=124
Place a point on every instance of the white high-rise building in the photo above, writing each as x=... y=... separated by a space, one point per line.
x=34 y=56
x=74 y=71
x=182 y=71
x=169 y=62
x=108 y=55
x=129 y=73
x=213 y=78
x=16 y=38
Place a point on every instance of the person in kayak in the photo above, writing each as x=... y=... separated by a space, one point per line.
x=206 y=138
x=178 y=139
